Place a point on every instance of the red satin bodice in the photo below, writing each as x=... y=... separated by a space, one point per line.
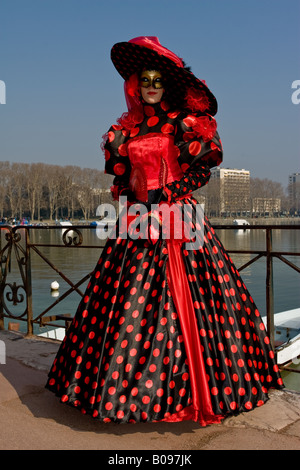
x=154 y=162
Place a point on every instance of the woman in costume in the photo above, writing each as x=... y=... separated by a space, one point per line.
x=166 y=330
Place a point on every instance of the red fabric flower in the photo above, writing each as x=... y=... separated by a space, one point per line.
x=197 y=100
x=130 y=119
x=205 y=127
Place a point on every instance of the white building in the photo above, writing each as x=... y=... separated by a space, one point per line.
x=266 y=205
x=234 y=189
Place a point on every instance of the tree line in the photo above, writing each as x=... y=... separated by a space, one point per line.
x=44 y=191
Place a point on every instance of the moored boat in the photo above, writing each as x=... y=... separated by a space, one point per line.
x=240 y=222
x=287 y=335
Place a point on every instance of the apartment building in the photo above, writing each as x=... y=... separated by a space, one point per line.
x=233 y=187
x=262 y=206
x=294 y=192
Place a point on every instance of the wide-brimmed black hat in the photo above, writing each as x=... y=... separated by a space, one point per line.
x=147 y=52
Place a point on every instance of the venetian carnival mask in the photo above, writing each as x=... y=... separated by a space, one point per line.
x=151 y=83
x=152 y=78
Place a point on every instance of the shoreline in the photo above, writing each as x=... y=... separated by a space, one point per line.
x=213 y=221
x=257 y=221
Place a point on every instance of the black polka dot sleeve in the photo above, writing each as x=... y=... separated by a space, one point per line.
x=193 y=179
x=200 y=149
x=116 y=160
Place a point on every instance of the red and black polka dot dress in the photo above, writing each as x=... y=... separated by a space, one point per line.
x=166 y=330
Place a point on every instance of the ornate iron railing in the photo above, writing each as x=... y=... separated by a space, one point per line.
x=17 y=246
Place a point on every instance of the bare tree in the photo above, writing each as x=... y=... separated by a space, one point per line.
x=211 y=193
x=34 y=176
x=85 y=193
x=71 y=189
x=4 y=182
x=266 y=195
x=16 y=189
x=53 y=185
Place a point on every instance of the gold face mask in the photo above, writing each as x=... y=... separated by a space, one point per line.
x=151 y=78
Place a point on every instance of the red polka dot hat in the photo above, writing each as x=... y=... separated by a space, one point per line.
x=146 y=52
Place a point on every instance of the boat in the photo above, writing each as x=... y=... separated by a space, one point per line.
x=55 y=333
x=15 y=222
x=287 y=335
x=106 y=222
x=104 y=228
x=63 y=222
x=240 y=222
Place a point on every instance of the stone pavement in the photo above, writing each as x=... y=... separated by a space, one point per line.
x=32 y=418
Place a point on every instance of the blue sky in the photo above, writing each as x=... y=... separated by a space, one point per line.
x=63 y=93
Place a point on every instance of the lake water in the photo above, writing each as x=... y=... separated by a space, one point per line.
x=75 y=263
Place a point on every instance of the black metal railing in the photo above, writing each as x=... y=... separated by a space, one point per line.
x=16 y=249
x=17 y=246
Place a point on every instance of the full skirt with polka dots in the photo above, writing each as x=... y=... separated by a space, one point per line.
x=128 y=357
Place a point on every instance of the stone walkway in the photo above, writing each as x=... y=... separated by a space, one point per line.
x=32 y=418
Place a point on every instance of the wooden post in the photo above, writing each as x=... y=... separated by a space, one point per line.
x=269 y=288
x=28 y=285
